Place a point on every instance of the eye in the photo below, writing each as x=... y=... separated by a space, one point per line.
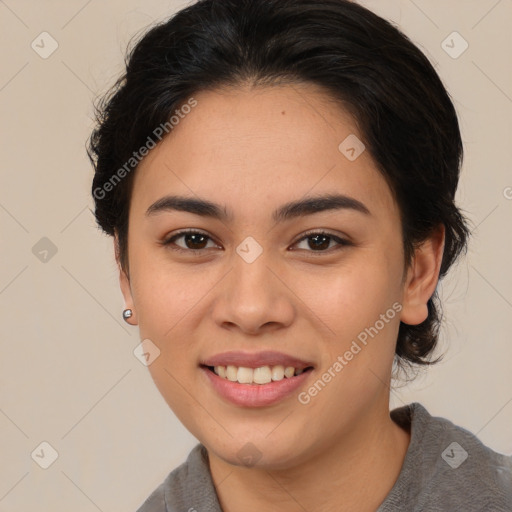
x=194 y=241
x=319 y=241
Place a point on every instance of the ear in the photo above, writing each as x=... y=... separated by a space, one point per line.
x=124 y=282
x=422 y=278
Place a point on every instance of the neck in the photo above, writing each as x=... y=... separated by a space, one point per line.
x=354 y=473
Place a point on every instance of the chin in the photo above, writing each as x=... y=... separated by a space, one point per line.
x=258 y=451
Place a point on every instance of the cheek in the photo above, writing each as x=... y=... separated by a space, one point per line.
x=164 y=302
x=163 y=292
x=353 y=297
x=356 y=302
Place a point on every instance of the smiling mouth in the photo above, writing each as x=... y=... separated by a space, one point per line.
x=261 y=375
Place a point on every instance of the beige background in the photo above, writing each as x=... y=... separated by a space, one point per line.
x=67 y=372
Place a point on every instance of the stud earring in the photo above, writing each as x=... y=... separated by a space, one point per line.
x=127 y=313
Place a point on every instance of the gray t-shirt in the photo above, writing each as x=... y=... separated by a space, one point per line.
x=446 y=469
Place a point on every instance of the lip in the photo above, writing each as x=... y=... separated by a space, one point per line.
x=255 y=395
x=255 y=360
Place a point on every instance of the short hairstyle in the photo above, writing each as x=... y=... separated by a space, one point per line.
x=403 y=112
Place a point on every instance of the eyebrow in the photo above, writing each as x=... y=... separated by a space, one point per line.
x=288 y=211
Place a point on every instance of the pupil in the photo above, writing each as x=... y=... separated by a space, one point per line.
x=192 y=237
x=321 y=245
x=320 y=241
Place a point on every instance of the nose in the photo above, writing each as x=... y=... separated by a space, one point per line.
x=254 y=298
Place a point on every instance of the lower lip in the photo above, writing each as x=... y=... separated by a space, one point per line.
x=255 y=395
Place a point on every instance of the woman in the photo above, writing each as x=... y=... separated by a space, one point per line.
x=279 y=179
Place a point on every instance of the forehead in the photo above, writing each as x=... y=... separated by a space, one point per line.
x=247 y=147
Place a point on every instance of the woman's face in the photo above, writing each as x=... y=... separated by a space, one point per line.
x=260 y=282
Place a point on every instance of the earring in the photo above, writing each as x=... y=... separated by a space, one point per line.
x=127 y=313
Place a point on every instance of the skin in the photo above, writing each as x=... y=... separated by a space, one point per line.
x=253 y=150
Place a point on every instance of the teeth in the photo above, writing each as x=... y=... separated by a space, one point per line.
x=261 y=375
x=289 y=371
x=244 y=375
x=278 y=372
x=231 y=373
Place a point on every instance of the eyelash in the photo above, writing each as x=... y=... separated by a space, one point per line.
x=340 y=241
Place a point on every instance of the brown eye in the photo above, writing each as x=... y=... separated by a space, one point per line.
x=193 y=241
x=321 y=241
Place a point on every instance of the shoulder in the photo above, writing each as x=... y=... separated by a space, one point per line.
x=187 y=488
x=448 y=468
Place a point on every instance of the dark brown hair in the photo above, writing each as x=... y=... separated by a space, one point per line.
x=406 y=118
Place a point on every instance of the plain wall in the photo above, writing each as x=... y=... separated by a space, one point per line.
x=67 y=372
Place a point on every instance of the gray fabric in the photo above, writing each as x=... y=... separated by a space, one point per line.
x=436 y=476
x=427 y=482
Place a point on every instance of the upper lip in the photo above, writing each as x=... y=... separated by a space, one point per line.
x=256 y=359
